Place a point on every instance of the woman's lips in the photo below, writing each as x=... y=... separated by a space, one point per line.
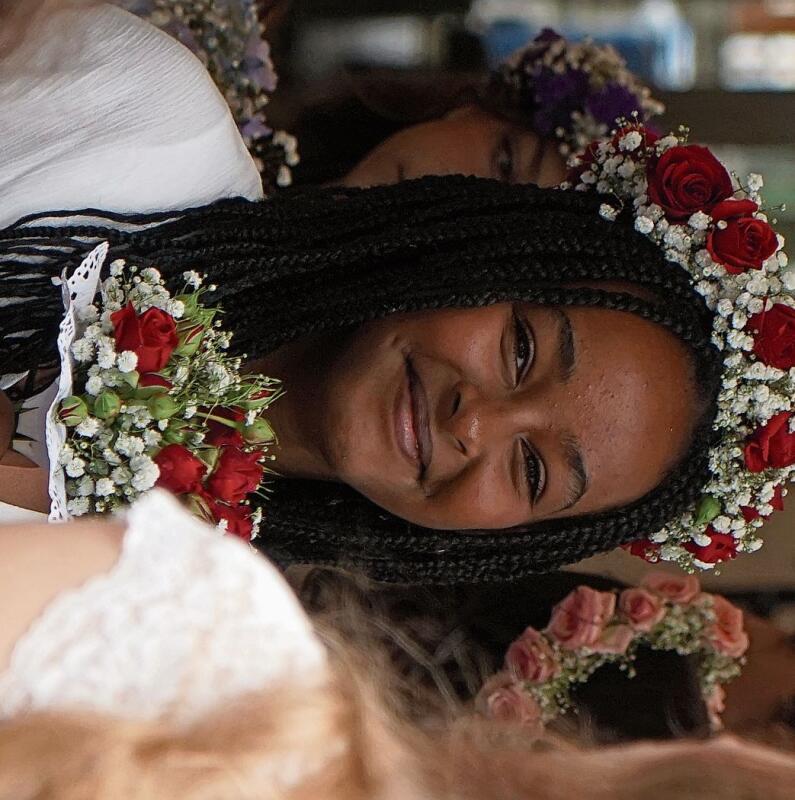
x=412 y=431
x=422 y=427
x=405 y=432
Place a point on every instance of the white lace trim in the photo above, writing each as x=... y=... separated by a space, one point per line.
x=78 y=292
x=186 y=620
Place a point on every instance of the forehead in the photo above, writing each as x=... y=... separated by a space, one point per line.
x=631 y=403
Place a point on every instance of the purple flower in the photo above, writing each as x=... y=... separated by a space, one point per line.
x=612 y=102
x=254 y=129
x=257 y=64
x=556 y=96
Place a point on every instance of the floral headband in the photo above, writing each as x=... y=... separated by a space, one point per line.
x=589 y=629
x=573 y=91
x=710 y=224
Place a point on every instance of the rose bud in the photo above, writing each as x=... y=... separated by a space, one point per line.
x=190 y=339
x=72 y=411
x=707 y=510
x=258 y=432
x=161 y=406
x=190 y=302
x=107 y=405
x=199 y=506
x=152 y=383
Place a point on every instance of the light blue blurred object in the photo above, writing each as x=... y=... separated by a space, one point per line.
x=656 y=40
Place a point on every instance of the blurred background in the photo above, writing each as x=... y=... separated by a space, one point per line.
x=727 y=67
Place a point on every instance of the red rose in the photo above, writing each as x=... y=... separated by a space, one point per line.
x=153 y=379
x=180 y=471
x=648 y=138
x=774 y=339
x=236 y=474
x=723 y=547
x=643 y=548
x=745 y=243
x=587 y=158
x=687 y=179
x=771 y=446
x=152 y=336
x=238 y=519
x=777 y=501
x=219 y=434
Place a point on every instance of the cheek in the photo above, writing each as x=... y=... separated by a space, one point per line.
x=482 y=497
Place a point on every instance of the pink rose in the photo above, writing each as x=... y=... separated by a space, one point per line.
x=503 y=700
x=579 y=619
x=727 y=634
x=614 y=639
x=642 y=608
x=676 y=588
x=531 y=658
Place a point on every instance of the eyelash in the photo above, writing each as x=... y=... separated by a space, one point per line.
x=522 y=338
x=533 y=466
x=535 y=475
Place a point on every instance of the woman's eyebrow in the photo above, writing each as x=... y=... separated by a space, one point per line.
x=567 y=349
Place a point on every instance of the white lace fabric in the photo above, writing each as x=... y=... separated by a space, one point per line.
x=186 y=620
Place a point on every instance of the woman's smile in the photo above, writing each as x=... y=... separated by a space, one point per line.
x=412 y=423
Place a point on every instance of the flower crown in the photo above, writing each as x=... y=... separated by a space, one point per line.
x=573 y=91
x=710 y=224
x=589 y=629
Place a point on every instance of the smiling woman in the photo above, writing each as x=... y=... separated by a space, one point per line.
x=491 y=417
x=483 y=380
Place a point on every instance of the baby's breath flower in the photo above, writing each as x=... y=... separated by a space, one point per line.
x=75 y=468
x=78 y=506
x=82 y=350
x=105 y=487
x=94 y=385
x=127 y=361
x=89 y=427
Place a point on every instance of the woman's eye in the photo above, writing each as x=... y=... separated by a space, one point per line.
x=535 y=473
x=505 y=161
x=523 y=349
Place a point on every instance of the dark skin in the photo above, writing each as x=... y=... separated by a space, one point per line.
x=488 y=418
x=467 y=141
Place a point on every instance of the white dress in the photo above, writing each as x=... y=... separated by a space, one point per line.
x=187 y=620
x=99 y=109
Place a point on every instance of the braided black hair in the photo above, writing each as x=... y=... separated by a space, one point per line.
x=329 y=259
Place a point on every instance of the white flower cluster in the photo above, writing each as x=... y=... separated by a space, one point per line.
x=751 y=393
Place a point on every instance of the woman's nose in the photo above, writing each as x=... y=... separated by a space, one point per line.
x=478 y=419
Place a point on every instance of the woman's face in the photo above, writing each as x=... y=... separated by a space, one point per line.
x=468 y=141
x=504 y=415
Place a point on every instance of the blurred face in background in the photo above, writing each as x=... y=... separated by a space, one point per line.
x=467 y=141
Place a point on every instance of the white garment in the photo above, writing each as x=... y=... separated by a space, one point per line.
x=187 y=620
x=99 y=109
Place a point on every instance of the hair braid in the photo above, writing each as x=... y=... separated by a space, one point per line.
x=322 y=260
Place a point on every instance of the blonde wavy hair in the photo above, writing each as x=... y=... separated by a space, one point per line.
x=344 y=741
